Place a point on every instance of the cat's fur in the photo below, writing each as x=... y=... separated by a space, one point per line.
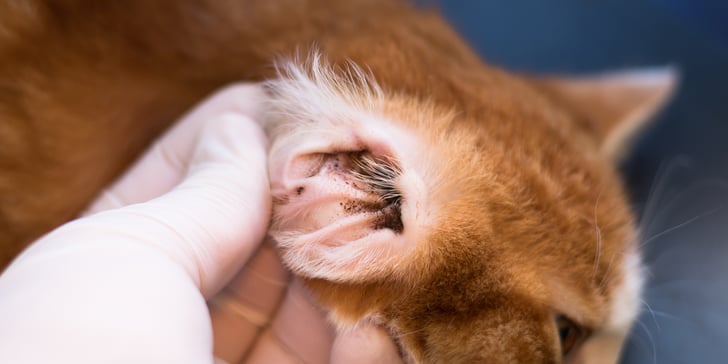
x=502 y=206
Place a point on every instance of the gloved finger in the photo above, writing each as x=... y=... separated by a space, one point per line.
x=209 y=225
x=165 y=163
x=245 y=307
x=217 y=216
x=299 y=332
x=365 y=344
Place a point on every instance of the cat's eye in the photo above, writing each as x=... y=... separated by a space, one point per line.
x=570 y=334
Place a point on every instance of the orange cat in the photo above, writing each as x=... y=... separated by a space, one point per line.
x=473 y=213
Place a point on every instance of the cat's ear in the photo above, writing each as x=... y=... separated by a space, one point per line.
x=614 y=106
x=344 y=206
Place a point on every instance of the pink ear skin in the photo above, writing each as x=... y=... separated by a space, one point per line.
x=338 y=211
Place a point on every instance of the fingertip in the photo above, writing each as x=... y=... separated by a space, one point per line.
x=232 y=137
x=226 y=196
x=244 y=98
x=365 y=344
x=244 y=126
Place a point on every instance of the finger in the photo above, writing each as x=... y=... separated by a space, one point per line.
x=299 y=332
x=213 y=221
x=165 y=163
x=269 y=350
x=366 y=344
x=245 y=307
x=225 y=200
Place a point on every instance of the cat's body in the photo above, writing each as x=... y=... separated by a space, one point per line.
x=502 y=207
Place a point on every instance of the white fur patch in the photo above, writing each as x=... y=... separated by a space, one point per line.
x=605 y=345
x=314 y=92
x=626 y=296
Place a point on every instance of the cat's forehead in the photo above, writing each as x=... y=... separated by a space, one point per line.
x=559 y=238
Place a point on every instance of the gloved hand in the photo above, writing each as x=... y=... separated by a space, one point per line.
x=184 y=228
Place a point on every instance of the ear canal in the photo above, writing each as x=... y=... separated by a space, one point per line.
x=614 y=107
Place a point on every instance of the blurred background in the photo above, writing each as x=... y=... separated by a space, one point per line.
x=677 y=173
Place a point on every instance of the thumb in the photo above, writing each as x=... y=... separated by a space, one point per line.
x=366 y=344
x=212 y=222
x=222 y=208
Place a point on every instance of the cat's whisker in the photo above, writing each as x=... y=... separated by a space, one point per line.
x=650 y=339
x=667 y=315
x=675 y=281
x=679 y=226
x=650 y=215
x=598 y=253
x=657 y=190
x=652 y=313
x=607 y=275
x=411 y=332
x=668 y=206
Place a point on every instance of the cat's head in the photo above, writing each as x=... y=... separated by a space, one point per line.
x=490 y=229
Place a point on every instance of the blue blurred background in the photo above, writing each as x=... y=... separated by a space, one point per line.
x=677 y=173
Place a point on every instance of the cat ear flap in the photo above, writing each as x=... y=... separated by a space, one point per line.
x=615 y=106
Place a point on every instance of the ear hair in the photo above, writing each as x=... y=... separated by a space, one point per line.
x=371 y=257
x=309 y=89
x=313 y=100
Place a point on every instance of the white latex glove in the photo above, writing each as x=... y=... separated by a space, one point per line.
x=128 y=283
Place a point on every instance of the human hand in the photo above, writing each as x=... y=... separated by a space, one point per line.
x=128 y=282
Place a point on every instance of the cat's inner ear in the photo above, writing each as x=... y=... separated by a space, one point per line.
x=347 y=204
x=613 y=107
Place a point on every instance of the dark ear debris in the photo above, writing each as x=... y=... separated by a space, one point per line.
x=380 y=175
x=390 y=218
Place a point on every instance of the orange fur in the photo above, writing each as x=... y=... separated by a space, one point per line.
x=529 y=218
